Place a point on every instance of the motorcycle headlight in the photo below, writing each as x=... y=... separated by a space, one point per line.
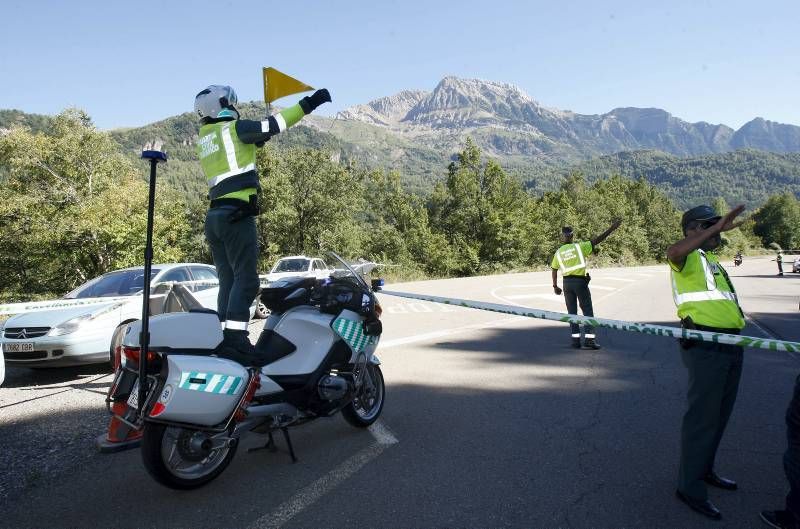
x=69 y=326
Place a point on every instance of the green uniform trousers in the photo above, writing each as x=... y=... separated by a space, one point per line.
x=234 y=246
x=714 y=374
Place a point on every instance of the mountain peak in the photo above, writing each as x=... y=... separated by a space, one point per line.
x=760 y=133
x=460 y=103
x=387 y=110
x=451 y=82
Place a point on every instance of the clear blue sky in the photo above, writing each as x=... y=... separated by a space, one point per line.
x=133 y=62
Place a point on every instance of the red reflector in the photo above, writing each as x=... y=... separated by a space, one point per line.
x=132 y=354
x=157 y=410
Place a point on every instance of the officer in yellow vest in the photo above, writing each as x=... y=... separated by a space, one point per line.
x=227 y=150
x=570 y=258
x=706 y=300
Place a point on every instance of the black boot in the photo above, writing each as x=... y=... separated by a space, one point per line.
x=590 y=343
x=576 y=343
x=237 y=341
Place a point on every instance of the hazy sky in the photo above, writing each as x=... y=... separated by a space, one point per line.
x=134 y=62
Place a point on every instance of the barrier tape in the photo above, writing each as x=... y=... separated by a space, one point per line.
x=38 y=306
x=644 y=328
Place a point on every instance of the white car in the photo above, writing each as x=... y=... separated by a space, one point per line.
x=74 y=335
x=299 y=266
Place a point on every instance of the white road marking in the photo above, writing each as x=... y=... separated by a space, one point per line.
x=526 y=296
x=548 y=297
x=382 y=434
x=618 y=279
x=447 y=332
x=309 y=495
x=601 y=287
x=537 y=285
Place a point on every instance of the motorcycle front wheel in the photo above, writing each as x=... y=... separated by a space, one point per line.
x=181 y=458
x=366 y=407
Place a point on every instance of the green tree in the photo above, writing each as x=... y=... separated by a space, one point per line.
x=398 y=231
x=480 y=210
x=309 y=204
x=778 y=221
x=73 y=207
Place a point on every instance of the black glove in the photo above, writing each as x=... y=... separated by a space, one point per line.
x=557 y=290
x=309 y=103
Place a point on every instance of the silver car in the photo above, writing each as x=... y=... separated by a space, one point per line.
x=83 y=334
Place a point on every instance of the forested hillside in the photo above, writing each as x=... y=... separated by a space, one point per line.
x=747 y=176
x=72 y=206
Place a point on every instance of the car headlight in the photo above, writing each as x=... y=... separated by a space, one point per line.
x=69 y=326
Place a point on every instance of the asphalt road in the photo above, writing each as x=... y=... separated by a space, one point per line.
x=490 y=421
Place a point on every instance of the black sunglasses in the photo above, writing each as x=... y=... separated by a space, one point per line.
x=704 y=224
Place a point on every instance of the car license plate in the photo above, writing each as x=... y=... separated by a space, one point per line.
x=24 y=347
x=133 y=398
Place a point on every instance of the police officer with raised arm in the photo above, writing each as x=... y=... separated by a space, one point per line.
x=570 y=258
x=706 y=300
x=227 y=150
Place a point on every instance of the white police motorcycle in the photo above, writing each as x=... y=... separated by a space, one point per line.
x=315 y=357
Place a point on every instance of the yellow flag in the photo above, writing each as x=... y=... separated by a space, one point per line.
x=278 y=84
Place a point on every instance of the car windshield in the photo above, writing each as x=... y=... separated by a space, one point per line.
x=291 y=265
x=122 y=283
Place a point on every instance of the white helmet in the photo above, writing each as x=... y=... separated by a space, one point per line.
x=216 y=101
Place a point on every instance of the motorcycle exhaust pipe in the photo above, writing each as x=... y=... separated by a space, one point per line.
x=266 y=410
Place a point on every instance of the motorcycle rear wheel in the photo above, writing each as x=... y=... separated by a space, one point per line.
x=366 y=407
x=175 y=458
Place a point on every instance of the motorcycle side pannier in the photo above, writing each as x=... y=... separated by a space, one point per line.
x=202 y=390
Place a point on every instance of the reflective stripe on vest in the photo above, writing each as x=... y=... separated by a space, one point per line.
x=711 y=294
x=581 y=260
x=220 y=166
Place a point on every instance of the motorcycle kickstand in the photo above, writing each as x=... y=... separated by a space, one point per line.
x=289 y=443
x=270 y=445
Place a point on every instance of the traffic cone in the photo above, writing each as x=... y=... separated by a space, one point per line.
x=119 y=436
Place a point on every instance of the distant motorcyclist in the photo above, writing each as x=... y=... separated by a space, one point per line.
x=226 y=147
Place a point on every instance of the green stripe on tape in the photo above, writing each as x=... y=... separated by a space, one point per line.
x=645 y=328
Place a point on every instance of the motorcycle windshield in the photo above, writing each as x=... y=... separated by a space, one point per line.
x=346 y=270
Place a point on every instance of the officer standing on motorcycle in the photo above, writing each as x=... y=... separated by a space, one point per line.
x=227 y=150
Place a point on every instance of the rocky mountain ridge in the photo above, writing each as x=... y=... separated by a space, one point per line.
x=511 y=122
